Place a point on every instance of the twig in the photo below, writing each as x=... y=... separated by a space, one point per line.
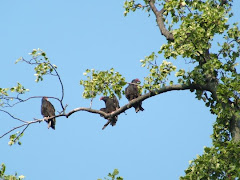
x=60 y=84
x=59 y=78
x=13 y=130
x=24 y=100
x=20 y=133
x=91 y=103
x=13 y=116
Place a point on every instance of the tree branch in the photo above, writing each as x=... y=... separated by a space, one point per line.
x=59 y=78
x=160 y=20
x=24 y=100
x=20 y=133
x=139 y=99
x=13 y=116
x=122 y=109
x=13 y=130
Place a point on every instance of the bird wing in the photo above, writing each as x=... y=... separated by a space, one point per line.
x=44 y=109
x=51 y=109
x=131 y=92
x=127 y=93
x=116 y=102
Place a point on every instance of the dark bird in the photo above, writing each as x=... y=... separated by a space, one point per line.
x=48 y=110
x=131 y=92
x=111 y=104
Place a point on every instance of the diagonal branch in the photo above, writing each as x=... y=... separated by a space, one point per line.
x=160 y=20
x=13 y=116
x=13 y=130
x=27 y=123
x=139 y=99
x=20 y=133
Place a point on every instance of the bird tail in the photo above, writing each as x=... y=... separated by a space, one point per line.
x=114 y=121
x=51 y=123
x=139 y=108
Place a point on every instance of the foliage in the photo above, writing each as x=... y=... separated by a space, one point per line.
x=4 y=93
x=198 y=23
x=15 y=138
x=9 y=177
x=43 y=65
x=102 y=82
x=132 y=6
x=158 y=73
x=217 y=162
x=113 y=176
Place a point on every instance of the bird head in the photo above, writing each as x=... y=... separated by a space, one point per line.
x=104 y=98
x=136 y=81
x=44 y=97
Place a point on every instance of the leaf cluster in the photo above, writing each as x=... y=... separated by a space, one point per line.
x=132 y=5
x=15 y=138
x=9 y=177
x=4 y=93
x=158 y=75
x=107 y=82
x=43 y=65
x=217 y=162
x=113 y=175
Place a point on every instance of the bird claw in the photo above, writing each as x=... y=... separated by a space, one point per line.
x=46 y=118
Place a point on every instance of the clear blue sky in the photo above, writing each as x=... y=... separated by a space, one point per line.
x=76 y=35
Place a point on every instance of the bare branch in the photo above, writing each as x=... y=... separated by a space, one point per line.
x=139 y=99
x=24 y=100
x=13 y=116
x=59 y=78
x=20 y=133
x=27 y=123
x=13 y=130
x=105 y=115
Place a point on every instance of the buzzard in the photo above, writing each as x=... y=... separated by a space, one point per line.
x=131 y=92
x=111 y=104
x=48 y=110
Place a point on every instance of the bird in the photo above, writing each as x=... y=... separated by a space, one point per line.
x=48 y=110
x=111 y=104
x=131 y=92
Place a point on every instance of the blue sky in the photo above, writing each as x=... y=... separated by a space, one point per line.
x=77 y=35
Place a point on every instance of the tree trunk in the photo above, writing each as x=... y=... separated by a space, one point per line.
x=235 y=128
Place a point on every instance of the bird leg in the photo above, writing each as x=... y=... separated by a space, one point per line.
x=45 y=118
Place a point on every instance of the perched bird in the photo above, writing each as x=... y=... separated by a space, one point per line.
x=131 y=92
x=111 y=104
x=48 y=110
